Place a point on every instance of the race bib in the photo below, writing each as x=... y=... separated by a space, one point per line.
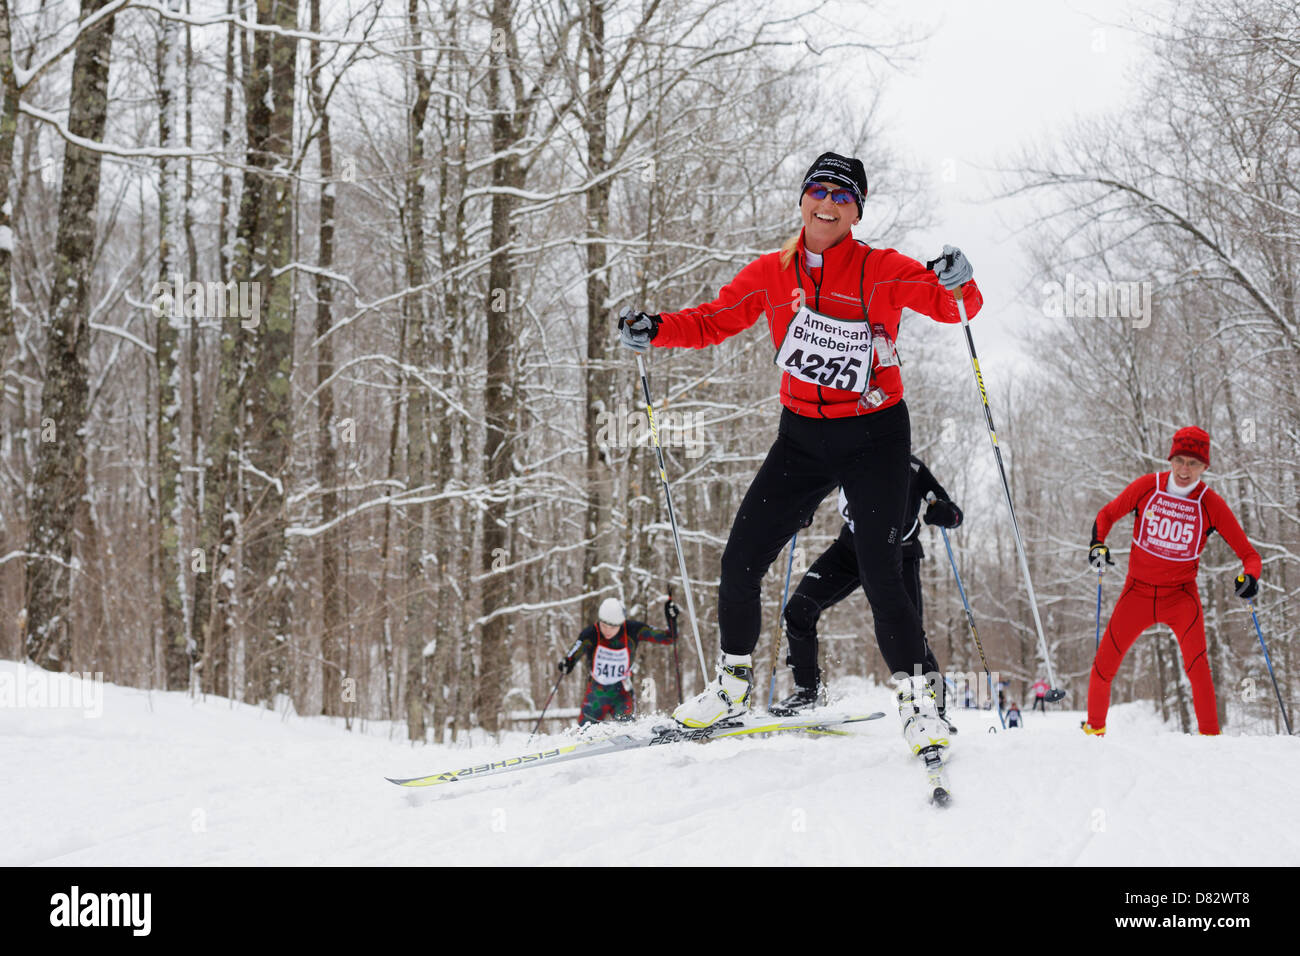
x=1171 y=527
x=610 y=665
x=832 y=353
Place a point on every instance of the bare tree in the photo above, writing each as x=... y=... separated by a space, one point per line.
x=60 y=479
x=245 y=520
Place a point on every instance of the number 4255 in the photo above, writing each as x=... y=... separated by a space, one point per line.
x=837 y=372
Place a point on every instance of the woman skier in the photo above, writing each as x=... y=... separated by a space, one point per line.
x=832 y=306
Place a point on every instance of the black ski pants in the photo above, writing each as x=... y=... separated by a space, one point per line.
x=866 y=455
x=832 y=578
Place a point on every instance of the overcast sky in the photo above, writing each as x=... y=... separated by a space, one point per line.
x=996 y=75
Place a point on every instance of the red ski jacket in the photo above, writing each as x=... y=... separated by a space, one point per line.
x=855 y=283
x=1169 y=535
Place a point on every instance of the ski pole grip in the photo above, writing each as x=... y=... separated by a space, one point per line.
x=1241 y=579
x=945 y=261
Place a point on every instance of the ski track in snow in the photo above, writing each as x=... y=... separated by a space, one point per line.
x=163 y=779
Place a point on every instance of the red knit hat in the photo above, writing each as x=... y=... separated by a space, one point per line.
x=1192 y=442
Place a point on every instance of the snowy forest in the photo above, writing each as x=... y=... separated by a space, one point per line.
x=312 y=396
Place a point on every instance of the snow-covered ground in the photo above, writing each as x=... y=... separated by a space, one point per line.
x=159 y=778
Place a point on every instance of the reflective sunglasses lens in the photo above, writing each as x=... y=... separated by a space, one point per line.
x=817 y=192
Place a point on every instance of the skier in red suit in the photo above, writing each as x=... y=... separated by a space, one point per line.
x=1174 y=513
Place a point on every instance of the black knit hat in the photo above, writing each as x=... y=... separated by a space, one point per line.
x=834 y=168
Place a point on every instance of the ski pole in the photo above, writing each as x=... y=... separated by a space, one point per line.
x=672 y=516
x=776 y=640
x=1054 y=693
x=1100 y=571
x=677 y=661
x=544 y=707
x=970 y=621
x=1267 y=660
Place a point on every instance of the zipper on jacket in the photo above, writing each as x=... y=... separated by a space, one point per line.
x=817 y=301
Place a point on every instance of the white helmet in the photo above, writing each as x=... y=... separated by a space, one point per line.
x=611 y=612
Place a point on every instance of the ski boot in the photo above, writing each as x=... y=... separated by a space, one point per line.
x=803 y=698
x=1091 y=730
x=923 y=729
x=943 y=715
x=726 y=696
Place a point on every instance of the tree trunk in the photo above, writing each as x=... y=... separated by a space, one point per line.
x=498 y=390
x=8 y=132
x=326 y=438
x=419 y=418
x=1184 y=718
x=170 y=564
x=450 y=534
x=59 y=485
x=269 y=444
x=252 y=427
x=385 y=551
x=191 y=484
x=599 y=472
x=207 y=632
x=1160 y=681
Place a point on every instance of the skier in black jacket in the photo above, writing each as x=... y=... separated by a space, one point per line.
x=834 y=576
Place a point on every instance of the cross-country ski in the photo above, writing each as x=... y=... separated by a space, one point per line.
x=631 y=740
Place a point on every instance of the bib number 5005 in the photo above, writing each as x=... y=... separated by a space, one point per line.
x=1170 y=531
x=837 y=371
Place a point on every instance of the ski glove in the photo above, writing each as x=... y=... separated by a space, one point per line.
x=1096 y=553
x=566 y=665
x=943 y=513
x=637 y=330
x=1247 y=586
x=954 y=269
x=671 y=613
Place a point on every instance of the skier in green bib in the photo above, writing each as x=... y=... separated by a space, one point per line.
x=608 y=646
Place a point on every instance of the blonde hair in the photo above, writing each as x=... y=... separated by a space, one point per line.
x=788 y=249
